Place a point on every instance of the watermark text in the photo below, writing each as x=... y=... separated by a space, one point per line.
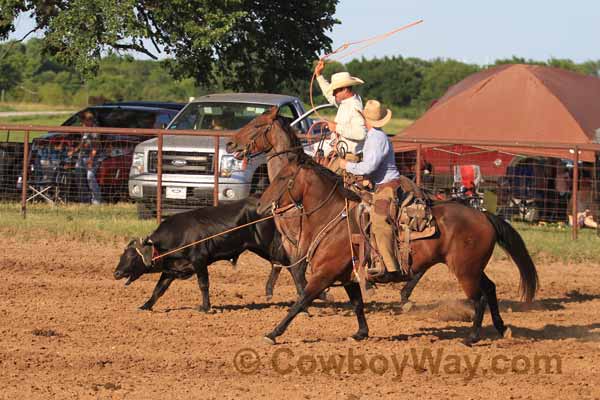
x=285 y=361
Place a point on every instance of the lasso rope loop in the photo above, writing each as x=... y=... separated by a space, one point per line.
x=339 y=53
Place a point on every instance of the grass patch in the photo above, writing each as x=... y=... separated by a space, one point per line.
x=554 y=244
x=110 y=223
x=17 y=136
x=118 y=223
x=14 y=106
x=51 y=120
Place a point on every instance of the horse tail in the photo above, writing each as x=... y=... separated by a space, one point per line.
x=510 y=240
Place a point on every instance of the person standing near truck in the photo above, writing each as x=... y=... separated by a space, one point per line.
x=88 y=160
x=348 y=128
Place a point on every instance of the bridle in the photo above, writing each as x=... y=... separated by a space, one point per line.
x=258 y=134
x=261 y=133
x=297 y=204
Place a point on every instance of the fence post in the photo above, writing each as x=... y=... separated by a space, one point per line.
x=159 y=170
x=24 y=177
x=418 y=166
x=574 y=195
x=216 y=171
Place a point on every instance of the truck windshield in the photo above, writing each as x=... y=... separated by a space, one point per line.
x=217 y=116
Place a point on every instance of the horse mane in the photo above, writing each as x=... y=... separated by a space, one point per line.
x=297 y=154
x=291 y=131
x=305 y=161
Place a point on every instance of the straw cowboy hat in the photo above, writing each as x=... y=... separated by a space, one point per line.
x=376 y=114
x=342 y=80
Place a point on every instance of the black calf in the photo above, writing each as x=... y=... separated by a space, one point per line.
x=181 y=229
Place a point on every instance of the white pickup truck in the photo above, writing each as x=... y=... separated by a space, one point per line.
x=188 y=168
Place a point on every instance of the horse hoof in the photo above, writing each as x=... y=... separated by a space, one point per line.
x=145 y=308
x=269 y=297
x=269 y=341
x=357 y=337
x=507 y=333
x=206 y=310
x=470 y=341
x=303 y=314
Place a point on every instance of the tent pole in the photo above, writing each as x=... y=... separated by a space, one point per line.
x=574 y=195
x=418 y=166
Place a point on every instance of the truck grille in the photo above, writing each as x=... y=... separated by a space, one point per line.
x=182 y=162
x=195 y=197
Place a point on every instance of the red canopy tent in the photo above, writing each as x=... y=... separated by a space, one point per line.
x=516 y=103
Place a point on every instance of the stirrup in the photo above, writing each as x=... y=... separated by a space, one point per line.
x=377 y=271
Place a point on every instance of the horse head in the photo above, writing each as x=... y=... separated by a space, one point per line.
x=285 y=190
x=254 y=137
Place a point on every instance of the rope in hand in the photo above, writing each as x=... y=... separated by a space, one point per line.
x=342 y=52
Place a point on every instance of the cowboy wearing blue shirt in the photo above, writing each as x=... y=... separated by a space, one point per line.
x=379 y=165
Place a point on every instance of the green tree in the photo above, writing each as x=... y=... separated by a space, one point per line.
x=52 y=93
x=9 y=76
x=250 y=44
x=395 y=81
x=440 y=76
x=591 y=68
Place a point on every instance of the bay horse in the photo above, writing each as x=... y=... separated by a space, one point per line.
x=319 y=223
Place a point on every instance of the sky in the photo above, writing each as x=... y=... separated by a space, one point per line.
x=474 y=31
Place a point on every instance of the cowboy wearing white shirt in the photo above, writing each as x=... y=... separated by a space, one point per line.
x=349 y=126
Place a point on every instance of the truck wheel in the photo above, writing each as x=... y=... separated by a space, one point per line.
x=145 y=211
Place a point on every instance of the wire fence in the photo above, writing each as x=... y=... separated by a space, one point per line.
x=192 y=169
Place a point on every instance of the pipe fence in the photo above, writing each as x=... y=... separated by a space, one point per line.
x=174 y=170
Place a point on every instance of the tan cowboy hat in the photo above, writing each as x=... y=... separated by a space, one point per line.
x=376 y=114
x=341 y=80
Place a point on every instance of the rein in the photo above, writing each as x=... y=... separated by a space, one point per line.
x=276 y=210
x=247 y=152
x=247 y=149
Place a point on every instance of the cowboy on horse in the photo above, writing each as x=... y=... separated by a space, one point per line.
x=349 y=128
x=379 y=165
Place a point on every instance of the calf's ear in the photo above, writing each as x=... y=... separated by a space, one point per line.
x=147 y=251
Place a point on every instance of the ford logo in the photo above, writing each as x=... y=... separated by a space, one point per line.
x=179 y=163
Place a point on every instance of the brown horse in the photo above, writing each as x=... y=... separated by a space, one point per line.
x=311 y=205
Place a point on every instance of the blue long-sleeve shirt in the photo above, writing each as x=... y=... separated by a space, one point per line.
x=378 y=159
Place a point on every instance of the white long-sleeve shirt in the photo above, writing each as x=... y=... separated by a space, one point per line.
x=350 y=124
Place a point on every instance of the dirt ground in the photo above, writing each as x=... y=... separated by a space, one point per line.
x=69 y=330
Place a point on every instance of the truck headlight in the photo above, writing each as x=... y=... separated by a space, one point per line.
x=229 y=164
x=137 y=165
